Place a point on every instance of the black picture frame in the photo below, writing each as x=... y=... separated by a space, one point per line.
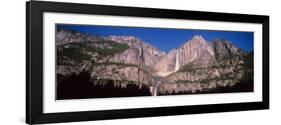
x=34 y=61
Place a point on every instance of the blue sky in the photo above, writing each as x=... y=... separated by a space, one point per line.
x=166 y=39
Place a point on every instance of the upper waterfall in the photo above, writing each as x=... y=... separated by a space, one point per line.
x=177 y=66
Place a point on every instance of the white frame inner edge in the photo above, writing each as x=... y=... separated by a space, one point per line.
x=50 y=105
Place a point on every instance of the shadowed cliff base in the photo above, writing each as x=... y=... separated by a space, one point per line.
x=68 y=88
x=243 y=86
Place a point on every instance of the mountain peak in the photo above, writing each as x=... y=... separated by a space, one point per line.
x=197 y=39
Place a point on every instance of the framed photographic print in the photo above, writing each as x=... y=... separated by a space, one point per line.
x=95 y=62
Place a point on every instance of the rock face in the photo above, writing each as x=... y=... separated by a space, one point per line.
x=196 y=49
x=220 y=65
x=224 y=48
x=150 y=54
x=119 y=58
x=71 y=36
x=197 y=66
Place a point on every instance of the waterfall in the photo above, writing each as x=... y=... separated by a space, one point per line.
x=177 y=67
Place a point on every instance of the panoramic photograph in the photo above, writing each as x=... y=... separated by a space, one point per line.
x=96 y=61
